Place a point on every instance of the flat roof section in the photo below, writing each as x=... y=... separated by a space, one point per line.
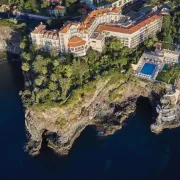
x=97 y=36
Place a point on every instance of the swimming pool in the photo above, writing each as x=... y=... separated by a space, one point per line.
x=148 y=69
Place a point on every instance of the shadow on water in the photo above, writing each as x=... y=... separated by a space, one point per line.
x=133 y=152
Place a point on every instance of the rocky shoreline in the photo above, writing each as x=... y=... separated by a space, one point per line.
x=96 y=109
x=168 y=111
x=165 y=126
x=108 y=125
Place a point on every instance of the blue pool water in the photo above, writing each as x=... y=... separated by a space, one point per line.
x=148 y=69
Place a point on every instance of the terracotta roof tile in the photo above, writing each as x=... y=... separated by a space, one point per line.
x=66 y=27
x=92 y=16
x=49 y=34
x=116 y=10
x=76 y=41
x=39 y=28
x=129 y=30
x=59 y=8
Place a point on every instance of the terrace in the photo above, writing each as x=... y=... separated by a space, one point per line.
x=148 y=66
x=151 y=63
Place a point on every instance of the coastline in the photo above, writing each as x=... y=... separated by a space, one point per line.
x=165 y=126
x=108 y=117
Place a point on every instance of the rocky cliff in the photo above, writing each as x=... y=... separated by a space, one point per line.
x=111 y=101
x=9 y=40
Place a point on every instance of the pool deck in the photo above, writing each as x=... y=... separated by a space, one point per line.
x=138 y=67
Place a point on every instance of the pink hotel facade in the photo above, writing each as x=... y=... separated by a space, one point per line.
x=78 y=37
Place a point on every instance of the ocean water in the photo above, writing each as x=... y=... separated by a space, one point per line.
x=131 y=153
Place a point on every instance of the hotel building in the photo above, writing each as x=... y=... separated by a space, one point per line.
x=77 y=38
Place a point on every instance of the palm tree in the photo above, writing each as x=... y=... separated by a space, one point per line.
x=43 y=93
x=53 y=77
x=37 y=66
x=26 y=56
x=123 y=62
x=44 y=71
x=40 y=67
x=52 y=86
x=39 y=80
x=39 y=57
x=25 y=67
x=54 y=53
x=54 y=95
x=56 y=63
x=23 y=45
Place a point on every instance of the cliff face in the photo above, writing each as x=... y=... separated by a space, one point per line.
x=62 y=125
x=9 y=40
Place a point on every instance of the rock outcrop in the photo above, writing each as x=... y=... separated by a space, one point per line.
x=60 y=126
x=9 y=40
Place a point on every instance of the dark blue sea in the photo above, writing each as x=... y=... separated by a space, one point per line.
x=131 y=153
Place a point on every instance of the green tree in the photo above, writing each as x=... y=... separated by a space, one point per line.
x=55 y=95
x=166 y=24
x=26 y=56
x=54 y=53
x=65 y=85
x=52 y=86
x=39 y=58
x=124 y=62
x=53 y=77
x=92 y=55
x=22 y=3
x=23 y=45
x=39 y=80
x=149 y=43
x=56 y=63
x=26 y=97
x=168 y=38
x=115 y=45
x=25 y=67
x=43 y=94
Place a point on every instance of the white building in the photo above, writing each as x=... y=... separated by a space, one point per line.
x=76 y=37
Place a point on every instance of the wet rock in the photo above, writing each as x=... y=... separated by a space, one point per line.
x=65 y=123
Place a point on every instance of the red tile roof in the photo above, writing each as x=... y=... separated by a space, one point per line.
x=59 y=8
x=129 y=30
x=91 y=17
x=39 y=28
x=49 y=34
x=116 y=10
x=76 y=41
x=67 y=26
